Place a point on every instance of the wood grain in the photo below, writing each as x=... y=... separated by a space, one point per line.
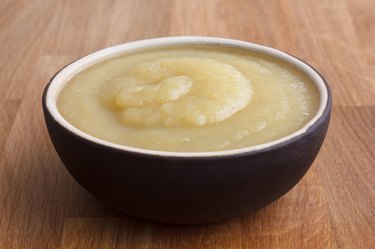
x=42 y=207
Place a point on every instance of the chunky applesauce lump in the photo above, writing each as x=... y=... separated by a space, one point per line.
x=189 y=99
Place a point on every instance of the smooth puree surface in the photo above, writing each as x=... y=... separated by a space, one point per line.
x=189 y=99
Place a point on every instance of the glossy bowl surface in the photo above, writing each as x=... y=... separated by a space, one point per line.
x=185 y=187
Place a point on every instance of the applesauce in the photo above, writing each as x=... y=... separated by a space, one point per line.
x=189 y=99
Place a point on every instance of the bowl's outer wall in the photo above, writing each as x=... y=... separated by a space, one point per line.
x=185 y=190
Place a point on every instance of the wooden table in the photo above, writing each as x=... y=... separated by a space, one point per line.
x=41 y=206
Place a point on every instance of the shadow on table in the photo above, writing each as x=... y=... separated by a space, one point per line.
x=129 y=232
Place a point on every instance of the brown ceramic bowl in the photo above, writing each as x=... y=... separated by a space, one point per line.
x=185 y=187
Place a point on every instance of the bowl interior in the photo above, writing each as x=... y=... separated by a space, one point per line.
x=63 y=76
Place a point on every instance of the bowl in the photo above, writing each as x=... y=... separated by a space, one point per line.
x=185 y=187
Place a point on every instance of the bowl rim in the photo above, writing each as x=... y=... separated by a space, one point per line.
x=58 y=81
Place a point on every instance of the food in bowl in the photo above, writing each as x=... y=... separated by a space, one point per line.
x=189 y=99
x=185 y=187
